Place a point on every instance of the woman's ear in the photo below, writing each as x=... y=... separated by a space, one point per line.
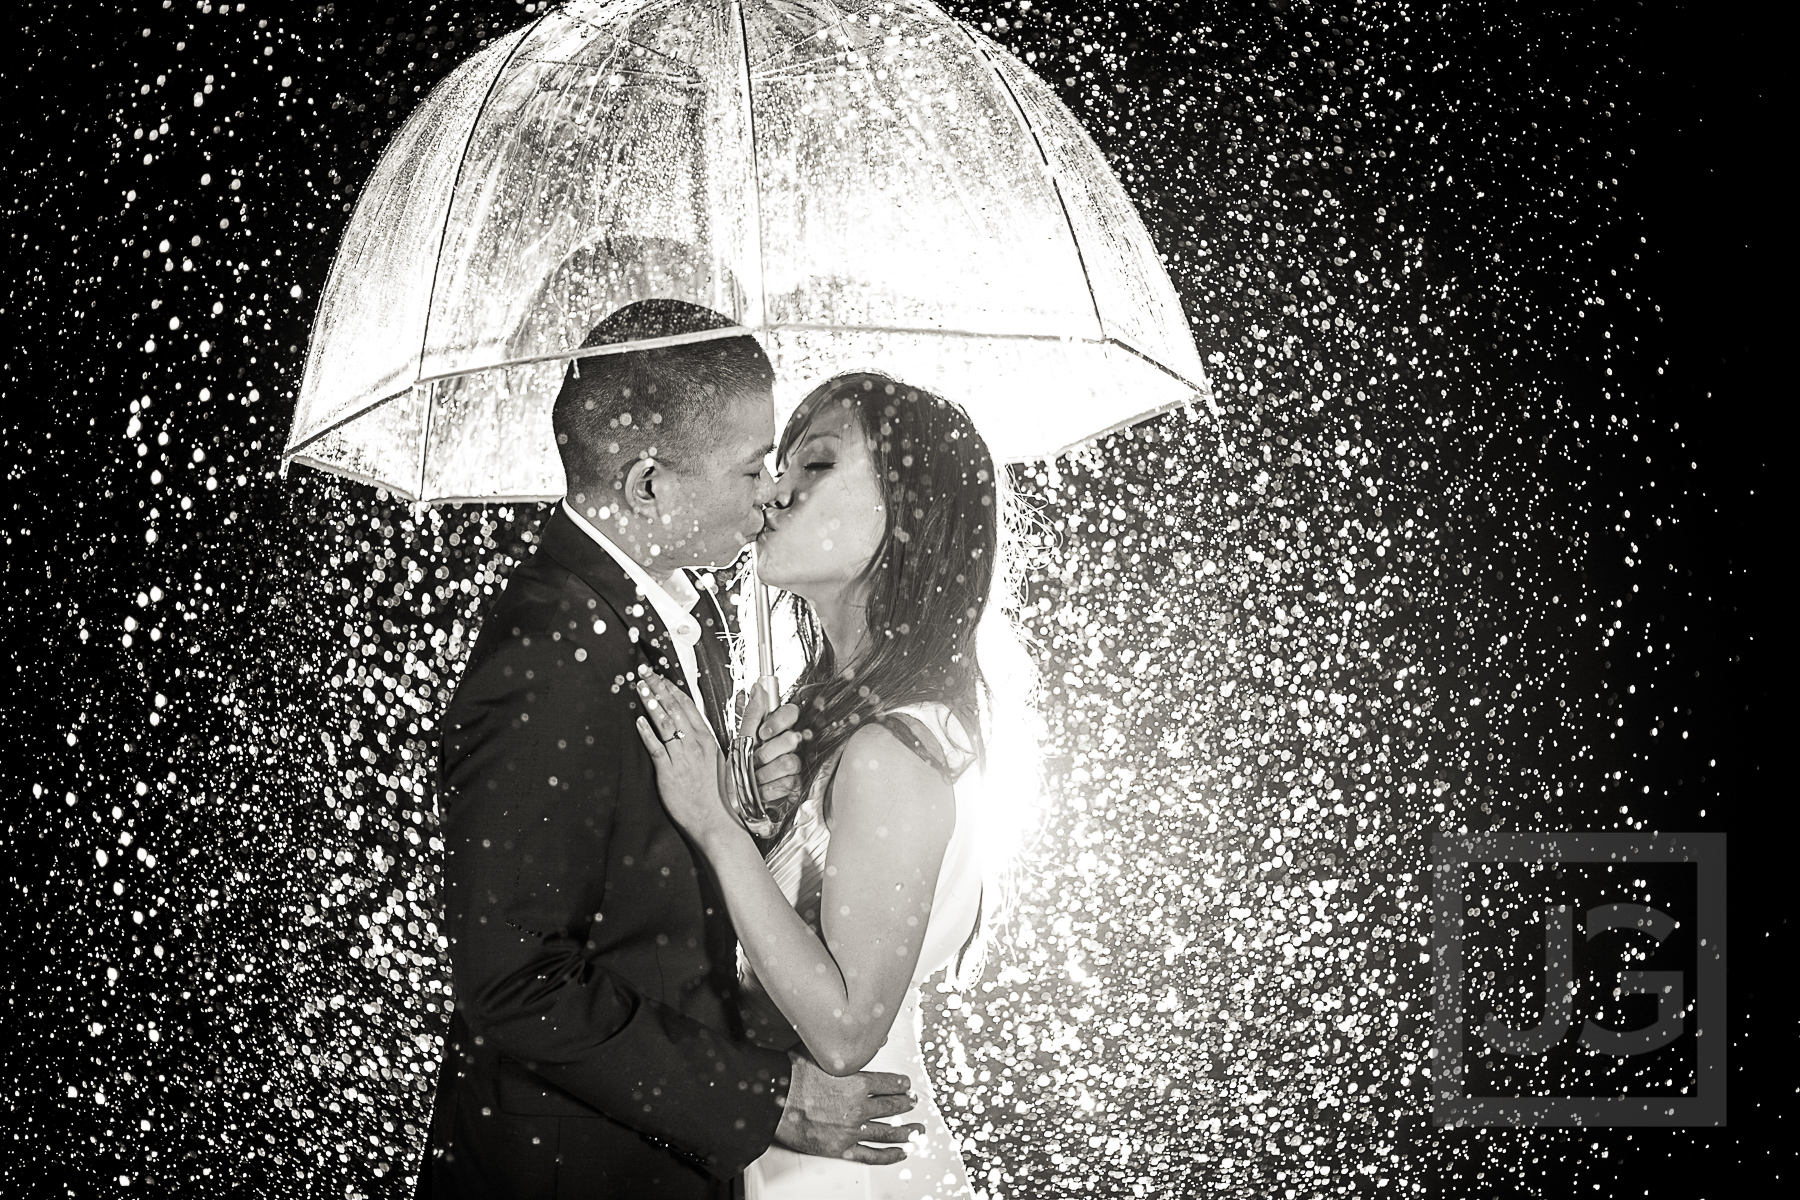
x=640 y=486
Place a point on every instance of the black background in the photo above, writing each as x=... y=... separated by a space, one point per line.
x=1507 y=940
x=1491 y=161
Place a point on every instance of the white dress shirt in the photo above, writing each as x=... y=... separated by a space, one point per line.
x=673 y=601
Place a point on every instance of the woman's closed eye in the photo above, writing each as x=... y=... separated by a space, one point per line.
x=823 y=464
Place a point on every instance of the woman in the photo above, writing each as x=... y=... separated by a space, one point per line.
x=887 y=527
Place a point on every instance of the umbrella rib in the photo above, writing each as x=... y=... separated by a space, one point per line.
x=675 y=339
x=676 y=66
x=292 y=453
x=425 y=436
x=319 y=464
x=520 y=498
x=1062 y=202
x=1094 y=437
x=1204 y=387
x=687 y=78
x=437 y=262
x=756 y=249
x=729 y=331
x=931 y=331
x=706 y=335
x=794 y=45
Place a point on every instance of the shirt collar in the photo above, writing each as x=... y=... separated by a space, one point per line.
x=673 y=598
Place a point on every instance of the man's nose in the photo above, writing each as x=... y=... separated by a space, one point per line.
x=780 y=491
x=767 y=491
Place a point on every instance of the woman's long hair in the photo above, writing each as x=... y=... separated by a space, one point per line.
x=941 y=588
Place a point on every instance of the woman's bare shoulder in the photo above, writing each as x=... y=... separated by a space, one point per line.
x=878 y=770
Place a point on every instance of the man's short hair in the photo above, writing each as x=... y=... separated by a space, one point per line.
x=670 y=397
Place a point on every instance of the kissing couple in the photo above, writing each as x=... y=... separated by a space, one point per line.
x=648 y=1000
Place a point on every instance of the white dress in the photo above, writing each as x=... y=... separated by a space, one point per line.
x=933 y=1169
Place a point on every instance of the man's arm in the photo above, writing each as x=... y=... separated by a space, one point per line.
x=541 y=756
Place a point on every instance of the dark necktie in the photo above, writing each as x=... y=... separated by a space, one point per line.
x=713 y=661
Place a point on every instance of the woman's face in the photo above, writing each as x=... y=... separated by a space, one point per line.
x=828 y=521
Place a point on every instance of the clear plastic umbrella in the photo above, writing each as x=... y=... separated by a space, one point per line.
x=861 y=185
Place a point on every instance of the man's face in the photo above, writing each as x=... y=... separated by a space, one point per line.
x=710 y=501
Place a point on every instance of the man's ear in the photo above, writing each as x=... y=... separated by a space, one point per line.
x=640 y=486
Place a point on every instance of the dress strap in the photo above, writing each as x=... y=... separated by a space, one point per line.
x=932 y=755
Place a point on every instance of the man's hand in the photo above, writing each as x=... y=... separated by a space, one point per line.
x=777 y=752
x=832 y=1117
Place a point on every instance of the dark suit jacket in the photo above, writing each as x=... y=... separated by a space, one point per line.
x=595 y=1049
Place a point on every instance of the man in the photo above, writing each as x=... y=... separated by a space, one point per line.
x=595 y=1049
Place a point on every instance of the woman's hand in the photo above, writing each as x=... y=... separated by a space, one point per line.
x=690 y=772
x=777 y=750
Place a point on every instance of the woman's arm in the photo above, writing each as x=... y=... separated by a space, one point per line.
x=891 y=820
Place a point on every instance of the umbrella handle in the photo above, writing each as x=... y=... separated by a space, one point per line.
x=755 y=812
x=751 y=809
x=760 y=603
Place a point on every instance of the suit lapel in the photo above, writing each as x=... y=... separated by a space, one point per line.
x=566 y=543
x=571 y=547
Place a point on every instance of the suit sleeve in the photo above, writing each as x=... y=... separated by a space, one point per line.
x=540 y=752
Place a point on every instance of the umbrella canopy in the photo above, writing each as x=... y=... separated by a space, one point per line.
x=860 y=185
